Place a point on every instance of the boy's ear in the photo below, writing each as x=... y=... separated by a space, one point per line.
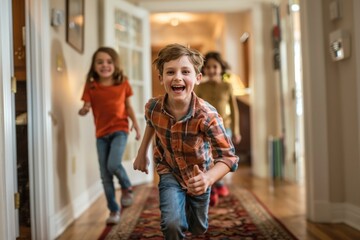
x=198 y=78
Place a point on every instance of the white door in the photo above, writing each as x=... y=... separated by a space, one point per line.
x=292 y=93
x=8 y=186
x=126 y=28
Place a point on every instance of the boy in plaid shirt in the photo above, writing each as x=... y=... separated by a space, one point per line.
x=192 y=150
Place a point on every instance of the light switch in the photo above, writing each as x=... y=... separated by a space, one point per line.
x=57 y=17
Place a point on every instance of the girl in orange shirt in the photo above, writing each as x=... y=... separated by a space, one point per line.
x=107 y=92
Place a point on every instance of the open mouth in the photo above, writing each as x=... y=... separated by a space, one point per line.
x=178 y=88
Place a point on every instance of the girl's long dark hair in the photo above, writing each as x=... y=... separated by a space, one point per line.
x=118 y=75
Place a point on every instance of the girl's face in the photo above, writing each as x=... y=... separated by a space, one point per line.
x=213 y=70
x=104 y=65
x=179 y=78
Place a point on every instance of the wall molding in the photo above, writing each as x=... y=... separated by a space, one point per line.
x=345 y=213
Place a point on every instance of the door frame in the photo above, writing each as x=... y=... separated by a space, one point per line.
x=39 y=122
x=7 y=123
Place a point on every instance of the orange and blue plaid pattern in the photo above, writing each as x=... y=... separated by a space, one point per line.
x=198 y=138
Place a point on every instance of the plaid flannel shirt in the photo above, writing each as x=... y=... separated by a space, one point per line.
x=198 y=138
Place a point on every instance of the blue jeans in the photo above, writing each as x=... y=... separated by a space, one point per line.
x=110 y=152
x=179 y=211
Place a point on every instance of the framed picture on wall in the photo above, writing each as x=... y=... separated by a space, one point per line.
x=75 y=24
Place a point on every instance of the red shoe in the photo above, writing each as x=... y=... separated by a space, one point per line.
x=222 y=191
x=214 y=198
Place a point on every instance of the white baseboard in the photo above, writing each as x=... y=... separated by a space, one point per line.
x=338 y=213
x=350 y=216
x=69 y=213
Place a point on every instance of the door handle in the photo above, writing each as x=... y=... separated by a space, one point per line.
x=13 y=84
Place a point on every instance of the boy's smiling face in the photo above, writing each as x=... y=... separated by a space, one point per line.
x=179 y=78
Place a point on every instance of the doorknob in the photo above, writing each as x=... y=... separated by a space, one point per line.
x=13 y=84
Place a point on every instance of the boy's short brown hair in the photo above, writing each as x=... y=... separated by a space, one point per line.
x=175 y=51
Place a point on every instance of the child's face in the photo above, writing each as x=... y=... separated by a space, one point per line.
x=212 y=69
x=104 y=65
x=179 y=78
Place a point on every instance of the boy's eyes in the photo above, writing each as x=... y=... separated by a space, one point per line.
x=185 y=72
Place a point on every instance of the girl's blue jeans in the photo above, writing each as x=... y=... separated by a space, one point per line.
x=110 y=152
x=181 y=212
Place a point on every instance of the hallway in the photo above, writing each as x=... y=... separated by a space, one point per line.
x=285 y=201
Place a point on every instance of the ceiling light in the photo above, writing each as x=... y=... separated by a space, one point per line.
x=174 y=22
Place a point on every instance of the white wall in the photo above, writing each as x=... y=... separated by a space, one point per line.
x=76 y=174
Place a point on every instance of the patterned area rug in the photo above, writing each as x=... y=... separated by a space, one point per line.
x=238 y=216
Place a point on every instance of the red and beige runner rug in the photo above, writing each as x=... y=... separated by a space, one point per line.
x=238 y=216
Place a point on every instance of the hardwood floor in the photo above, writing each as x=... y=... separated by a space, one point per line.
x=285 y=201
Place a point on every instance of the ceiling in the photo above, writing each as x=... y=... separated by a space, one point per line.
x=164 y=13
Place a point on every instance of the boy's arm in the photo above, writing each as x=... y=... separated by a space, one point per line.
x=141 y=162
x=224 y=158
x=202 y=181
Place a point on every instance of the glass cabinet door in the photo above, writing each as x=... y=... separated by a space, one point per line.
x=127 y=30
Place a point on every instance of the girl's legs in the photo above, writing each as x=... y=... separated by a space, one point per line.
x=178 y=209
x=115 y=167
x=110 y=151
x=117 y=148
x=103 y=148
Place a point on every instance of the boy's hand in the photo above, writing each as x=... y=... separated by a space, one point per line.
x=142 y=164
x=198 y=184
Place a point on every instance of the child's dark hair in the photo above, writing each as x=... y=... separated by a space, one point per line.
x=175 y=51
x=217 y=57
x=118 y=73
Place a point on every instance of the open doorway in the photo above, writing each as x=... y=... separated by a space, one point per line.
x=221 y=31
x=205 y=32
x=22 y=154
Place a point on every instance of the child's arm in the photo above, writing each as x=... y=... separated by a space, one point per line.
x=85 y=109
x=235 y=119
x=202 y=181
x=131 y=113
x=141 y=162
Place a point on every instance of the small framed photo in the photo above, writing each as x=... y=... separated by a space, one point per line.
x=75 y=24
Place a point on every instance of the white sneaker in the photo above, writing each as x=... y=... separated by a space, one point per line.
x=113 y=219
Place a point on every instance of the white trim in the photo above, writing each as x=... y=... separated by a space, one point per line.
x=352 y=216
x=356 y=46
x=69 y=213
x=39 y=103
x=7 y=123
x=199 y=5
x=315 y=107
x=346 y=213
